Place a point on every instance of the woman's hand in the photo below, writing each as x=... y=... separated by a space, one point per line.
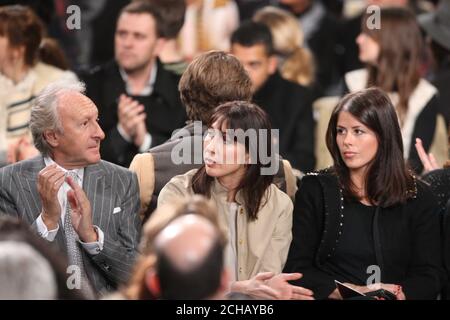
x=288 y=291
x=428 y=160
x=256 y=287
x=267 y=285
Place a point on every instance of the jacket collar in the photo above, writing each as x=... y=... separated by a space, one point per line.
x=222 y=193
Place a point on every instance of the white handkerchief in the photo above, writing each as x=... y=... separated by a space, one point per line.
x=117 y=209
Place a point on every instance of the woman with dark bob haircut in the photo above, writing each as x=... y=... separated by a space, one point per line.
x=366 y=221
x=256 y=215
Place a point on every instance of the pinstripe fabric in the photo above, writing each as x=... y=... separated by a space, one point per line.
x=107 y=187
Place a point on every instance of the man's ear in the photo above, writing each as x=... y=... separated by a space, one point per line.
x=159 y=46
x=152 y=282
x=273 y=64
x=51 y=137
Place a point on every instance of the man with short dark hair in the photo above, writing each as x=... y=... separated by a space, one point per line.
x=173 y=13
x=138 y=100
x=288 y=104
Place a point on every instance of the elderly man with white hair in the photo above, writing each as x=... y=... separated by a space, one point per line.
x=86 y=207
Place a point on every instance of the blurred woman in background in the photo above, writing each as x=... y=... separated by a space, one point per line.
x=22 y=77
x=393 y=53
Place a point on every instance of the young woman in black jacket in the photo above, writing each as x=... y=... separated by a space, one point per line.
x=366 y=221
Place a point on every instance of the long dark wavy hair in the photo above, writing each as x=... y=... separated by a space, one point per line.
x=401 y=54
x=388 y=180
x=243 y=115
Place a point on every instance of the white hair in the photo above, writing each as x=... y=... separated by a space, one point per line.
x=24 y=273
x=44 y=114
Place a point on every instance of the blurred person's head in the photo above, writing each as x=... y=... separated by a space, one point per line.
x=296 y=62
x=21 y=32
x=14 y=230
x=172 y=16
x=393 y=53
x=211 y=79
x=189 y=261
x=138 y=286
x=252 y=44
x=139 y=36
x=365 y=141
x=64 y=125
x=24 y=273
x=239 y=136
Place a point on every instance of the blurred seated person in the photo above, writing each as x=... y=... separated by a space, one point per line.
x=393 y=56
x=138 y=100
x=321 y=30
x=288 y=104
x=295 y=62
x=22 y=77
x=207 y=26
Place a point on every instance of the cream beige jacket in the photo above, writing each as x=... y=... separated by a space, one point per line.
x=263 y=244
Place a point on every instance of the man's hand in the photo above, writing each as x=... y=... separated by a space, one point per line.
x=131 y=117
x=50 y=179
x=81 y=212
x=288 y=291
x=141 y=131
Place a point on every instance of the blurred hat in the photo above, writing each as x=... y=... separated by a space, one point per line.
x=437 y=24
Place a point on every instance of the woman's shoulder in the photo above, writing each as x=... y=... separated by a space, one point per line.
x=180 y=185
x=423 y=194
x=326 y=175
x=278 y=197
x=184 y=179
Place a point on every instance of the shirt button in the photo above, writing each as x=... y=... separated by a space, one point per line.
x=241 y=211
x=240 y=270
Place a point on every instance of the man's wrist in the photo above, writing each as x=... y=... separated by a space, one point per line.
x=91 y=236
x=50 y=223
